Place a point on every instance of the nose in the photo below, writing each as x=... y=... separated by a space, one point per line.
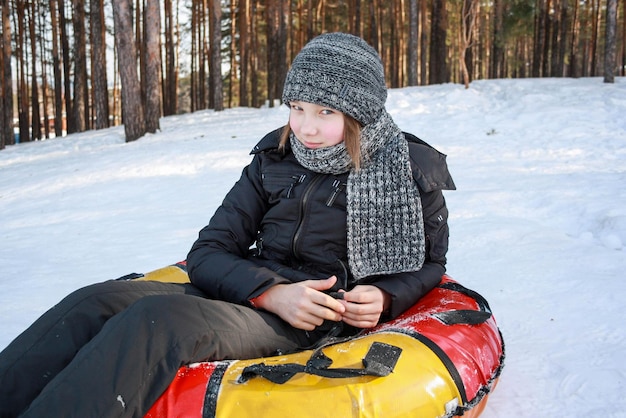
x=308 y=126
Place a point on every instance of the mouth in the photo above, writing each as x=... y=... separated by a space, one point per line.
x=310 y=144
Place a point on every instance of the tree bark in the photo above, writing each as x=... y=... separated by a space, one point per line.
x=215 y=69
x=232 y=54
x=80 y=68
x=34 y=85
x=610 y=43
x=574 y=69
x=132 y=107
x=6 y=79
x=423 y=43
x=254 y=57
x=57 y=71
x=539 y=38
x=412 y=47
x=623 y=66
x=468 y=21
x=99 y=82
x=564 y=27
x=153 y=65
x=22 y=96
x=438 y=72
x=43 y=62
x=276 y=49
x=67 y=80
x=170 y=100
x=244 y=47
x=497 y=51
x=594 y=38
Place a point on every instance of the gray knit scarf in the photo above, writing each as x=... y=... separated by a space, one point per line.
x=384 y=219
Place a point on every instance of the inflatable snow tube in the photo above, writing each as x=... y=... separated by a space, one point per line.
x=440 y=358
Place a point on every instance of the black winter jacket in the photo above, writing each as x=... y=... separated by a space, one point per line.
x=282 y=223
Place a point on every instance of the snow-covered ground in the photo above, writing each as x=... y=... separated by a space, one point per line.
x=538 y=223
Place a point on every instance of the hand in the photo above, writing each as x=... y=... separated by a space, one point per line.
x=364 y=304
x=302 y=304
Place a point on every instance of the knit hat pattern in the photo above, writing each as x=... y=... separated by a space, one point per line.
x=340 y=71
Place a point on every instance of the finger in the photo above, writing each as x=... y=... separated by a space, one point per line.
x=308 y=320
x=364 y=294
x=361 y=323
x=329 y=303
x=330 y=314
x=318 y=304
x=357 y=311
x=323 y=284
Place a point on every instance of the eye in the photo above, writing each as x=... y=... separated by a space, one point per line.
x=294 y=106
x=327 y=112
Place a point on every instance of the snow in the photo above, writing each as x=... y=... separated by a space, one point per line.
x=538 y=223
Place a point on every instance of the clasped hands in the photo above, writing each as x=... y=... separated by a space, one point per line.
x=304 y=305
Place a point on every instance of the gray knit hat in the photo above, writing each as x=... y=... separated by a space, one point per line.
x=340 y=71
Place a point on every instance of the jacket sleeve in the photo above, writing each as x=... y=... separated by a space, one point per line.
x=217 y=261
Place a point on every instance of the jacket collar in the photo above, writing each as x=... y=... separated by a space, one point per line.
x=269 y=142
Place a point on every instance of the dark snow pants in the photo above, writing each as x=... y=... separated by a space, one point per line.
x=111 y=349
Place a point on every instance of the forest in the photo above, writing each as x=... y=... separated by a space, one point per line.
x=74 y=65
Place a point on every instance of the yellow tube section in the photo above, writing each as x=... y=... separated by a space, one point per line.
x=420 y=386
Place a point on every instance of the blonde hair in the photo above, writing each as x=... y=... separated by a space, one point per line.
x=351 y=138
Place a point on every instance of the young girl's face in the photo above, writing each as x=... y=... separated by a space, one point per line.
x=316 y=126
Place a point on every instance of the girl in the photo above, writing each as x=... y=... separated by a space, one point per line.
x=337 y=224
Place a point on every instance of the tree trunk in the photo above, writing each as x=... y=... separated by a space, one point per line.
x=244 y=47
x=497 y=51
x=564 y=26
x=22 y=96
x=170 y=101
x=254 y=57
x=67 y=83
x=6 y=81
x=540 y=38
x=623 y=66
x=594 y=37
x=438 y=72
x=412 y=47
x=153 y=65
x=357 y=18
x=423 y=43
x=573 y=55
x=468 y=21
x=132 y=108
x=373 y=32
x=99 y=84
x=43 y=62
x=202 y=78
x=56 y=68
x=310 y=25
x=232 y=54
x=194 y=56
x=215 y=69
x=140 y=30
x=276 y=50
x=80 y=68
x=610 y=44
x=34 y=87
x=546 y=62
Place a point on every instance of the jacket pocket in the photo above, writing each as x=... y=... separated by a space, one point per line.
x=281 y=185
x=437 y=233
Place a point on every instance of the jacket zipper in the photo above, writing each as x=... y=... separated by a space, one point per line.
x=338 y=187
x=303 y=204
